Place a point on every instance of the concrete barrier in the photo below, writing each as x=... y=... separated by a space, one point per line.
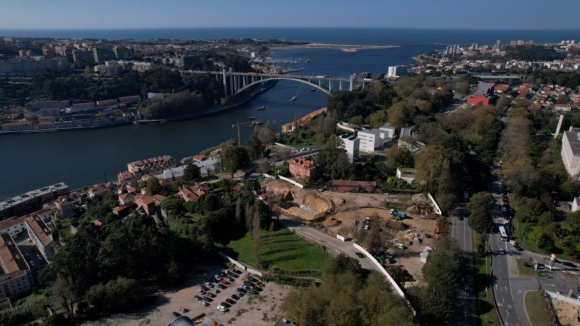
x=255 y=272
x=389 y=278
x=291 y=181
x=266 y=175
x=340 y=237
x=563 y=298
x=233 y=261
x=437 y=210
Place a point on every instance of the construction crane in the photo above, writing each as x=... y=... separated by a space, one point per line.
x=238 y=124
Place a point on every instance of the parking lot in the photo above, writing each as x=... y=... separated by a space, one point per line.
x=248 y=309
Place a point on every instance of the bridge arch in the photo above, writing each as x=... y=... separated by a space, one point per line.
x=301 y=80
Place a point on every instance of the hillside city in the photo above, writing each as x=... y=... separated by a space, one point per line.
x=442 y=192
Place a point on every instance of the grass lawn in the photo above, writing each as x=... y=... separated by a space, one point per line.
x=284 y=250
x=536 y=309
x=523 y=270
x=485 y=305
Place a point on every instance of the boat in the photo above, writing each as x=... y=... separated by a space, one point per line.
x=293 y=98
x=255 y=123
x=263 y=107
x=313 y=89
x=251 y=118
x=307 y=60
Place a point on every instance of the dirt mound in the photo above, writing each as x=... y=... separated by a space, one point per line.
x=397 y=225
x=316 y=203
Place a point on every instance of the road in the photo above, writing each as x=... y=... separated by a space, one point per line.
x=465 y=313
x=508 y=288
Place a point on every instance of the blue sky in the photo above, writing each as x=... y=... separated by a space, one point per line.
x=487 y=14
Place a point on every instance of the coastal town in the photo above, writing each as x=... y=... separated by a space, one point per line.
x=405 y=184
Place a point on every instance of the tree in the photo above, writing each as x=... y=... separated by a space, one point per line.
x=428 y=163
x=399 y=157
x=266 y=136
x=66 y=293
x=572 y=223
x=254 y=147
x=153 y=186
x=235 y=158
x=447 y=203
x=191 y=172
x=479 y=206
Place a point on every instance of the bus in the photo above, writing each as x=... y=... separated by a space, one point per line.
x=502 y=233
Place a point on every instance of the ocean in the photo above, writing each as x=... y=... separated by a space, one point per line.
x=363 y=36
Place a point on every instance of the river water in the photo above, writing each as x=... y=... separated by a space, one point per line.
x=82 y=158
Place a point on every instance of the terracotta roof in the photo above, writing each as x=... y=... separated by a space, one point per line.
x=11 y=222
x=159 y=198
x=40 y=229
x=11 y=256
x=123 y=207
x=146 y=199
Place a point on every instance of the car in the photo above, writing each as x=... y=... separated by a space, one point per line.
x=518 y=248
x=221 y=286
x=211 y=295
x=225 y=304
x=501 y=251
x=217 y=277
x=198 y=298
x=204 y=288
x=568 y=264
x=235 y=297
x=251 y=279
x=248 y=284
x=30 y=240
x=253 y=292
x=243 y=287
x=221 y=308
x=367 y=227
x=257 y=288
x=391 y=255
x=202 y=292
x=183 y=309
x=225 y=271
x=513 y=242
x=216 y=291
x=176 y=314
x=207 y=299
x=229 y=279
x=359 y=255
x=232 y=274
x=209 y=284
x=203 y=303
x=230 y=301
x=237 y=271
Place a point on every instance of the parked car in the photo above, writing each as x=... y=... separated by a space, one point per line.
x=203 y=303
x=198 y=298
x=183 y=309
x=230 y=301
x=252 y=291
x=232 y=274
x=176 y=314
x=202 y=292
x=217 y=277
x=359 y=255
x=237 y=271
x=221 y=286
x=248 y=283
x=257 y=288
x=211 y=295
x=251 y=279
x=209 y=284
x=221 y=308
x=235 y=297
x=229 y=279
x=568 y=264
x=216 y=291
x=207 y=299
x=225 y=304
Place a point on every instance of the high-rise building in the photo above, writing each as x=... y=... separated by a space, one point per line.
x=31 y=201
x=122 y=53
x=102 y=55
x=79 y=55
x=351 y=145
x=396 y=71
x=16 y=280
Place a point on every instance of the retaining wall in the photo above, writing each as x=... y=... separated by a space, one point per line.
x=389 y=278
x=563 y=298
x=437 y=209
x=240 y=265
x=291 y=181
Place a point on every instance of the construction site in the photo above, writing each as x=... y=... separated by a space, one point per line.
x=407 y=225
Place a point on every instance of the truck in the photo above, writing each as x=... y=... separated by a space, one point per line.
x=398 y=214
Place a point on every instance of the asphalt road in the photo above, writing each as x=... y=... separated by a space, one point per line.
x=465 y=313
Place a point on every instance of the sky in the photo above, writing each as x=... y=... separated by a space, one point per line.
x=441 y=14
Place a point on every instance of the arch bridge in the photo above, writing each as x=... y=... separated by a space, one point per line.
x=236 y=82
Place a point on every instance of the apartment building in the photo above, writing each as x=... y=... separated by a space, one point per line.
x=301 y=167
x=351 y=145
x=31 y=201
x=571 y=151
x=16 y=279
x=39 y=232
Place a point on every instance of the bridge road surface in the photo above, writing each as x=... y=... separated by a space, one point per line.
x=465 y=313
x=511 y=307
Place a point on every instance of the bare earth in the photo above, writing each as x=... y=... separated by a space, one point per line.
x=352 y=208
x=250 y=310
x=567 y=313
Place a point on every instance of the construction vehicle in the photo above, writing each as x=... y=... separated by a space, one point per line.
x=398 y=215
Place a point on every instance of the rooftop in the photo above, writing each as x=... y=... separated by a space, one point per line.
x=40 y=229
x=573 y=137
x=32 y=194
x=12 y=260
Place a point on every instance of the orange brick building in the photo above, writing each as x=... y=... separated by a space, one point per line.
x=301 y=167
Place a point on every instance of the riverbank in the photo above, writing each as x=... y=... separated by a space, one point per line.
x=343 y=47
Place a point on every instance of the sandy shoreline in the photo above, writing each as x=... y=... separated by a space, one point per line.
x=343 y=47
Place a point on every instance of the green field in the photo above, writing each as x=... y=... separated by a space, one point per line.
x=536 y=309
x=282 y=249
x=523 y=270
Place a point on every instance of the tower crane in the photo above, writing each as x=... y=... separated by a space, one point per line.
x=238 y=124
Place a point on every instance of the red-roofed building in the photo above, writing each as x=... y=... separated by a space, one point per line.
x=125 y=177
x=124 y=210
x=16 y=279
x=193 y=193
x=39 y=232
x=501 y=88
x=147 y=203
x=127 y=198
x=301 y=167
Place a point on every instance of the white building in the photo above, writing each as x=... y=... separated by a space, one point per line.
x=396 y=71
x=387 y=131
x=406 y=174
x=143 y=66
x=15 y=279
x=571 y=151
x=13 y=226
x=351 y=145
x=41 y=235
x=370 y=139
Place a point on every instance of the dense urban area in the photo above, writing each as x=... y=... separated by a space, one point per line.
x=443 y=192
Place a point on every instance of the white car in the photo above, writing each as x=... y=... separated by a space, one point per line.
x=221 y=308
x=367 y=227
x=513 y=243
x=203 y=303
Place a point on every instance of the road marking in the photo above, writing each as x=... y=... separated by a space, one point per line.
x=500 y=304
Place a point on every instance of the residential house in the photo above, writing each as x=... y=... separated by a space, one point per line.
x=193 y=193
x=127 y=198
x=147 y=203
x=301 y=167
x=406 y=174
x=571 y=151
x=13 y=226
x=124 y=210
x=98 y=190
x=483 y=94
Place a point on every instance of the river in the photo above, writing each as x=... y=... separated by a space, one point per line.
x=83 y=158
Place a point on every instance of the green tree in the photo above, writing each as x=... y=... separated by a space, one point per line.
x=572 y=223
x=235 y=158
x=479 y=206
x=399 y=157
x=191 y=172
x=254 y=146
x=447 y=203
x=153 y=186
x=66 y=293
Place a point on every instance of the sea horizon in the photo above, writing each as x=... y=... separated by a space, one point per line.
x=329 y=35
